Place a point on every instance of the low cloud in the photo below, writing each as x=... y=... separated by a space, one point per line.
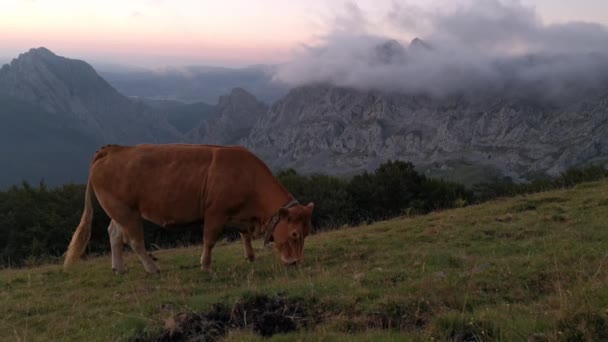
x=479 y=45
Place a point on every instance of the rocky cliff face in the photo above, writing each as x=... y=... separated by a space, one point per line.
x=232 y=120
x=337 y=130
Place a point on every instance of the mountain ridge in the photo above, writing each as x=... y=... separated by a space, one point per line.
x=325 y=129
x=313 y=128
x=58 y=111
x=73 y=89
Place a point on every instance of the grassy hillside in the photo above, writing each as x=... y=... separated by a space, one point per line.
x=530 y=267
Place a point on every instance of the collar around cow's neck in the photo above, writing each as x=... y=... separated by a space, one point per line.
x=275 y=220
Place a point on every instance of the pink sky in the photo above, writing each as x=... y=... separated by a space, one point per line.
x=228 y=32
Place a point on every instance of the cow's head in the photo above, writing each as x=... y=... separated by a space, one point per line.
x=293 y=227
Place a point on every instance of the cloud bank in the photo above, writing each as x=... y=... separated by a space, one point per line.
x=478 y=45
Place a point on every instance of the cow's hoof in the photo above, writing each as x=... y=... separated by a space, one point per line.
x=208 y=270
x=250 y=258
x=118 y=271
x=153 y=270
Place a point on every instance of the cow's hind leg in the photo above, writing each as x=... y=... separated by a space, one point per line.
x=134 y=233
x=116 y=244
x=249 y=255
x=212 y=229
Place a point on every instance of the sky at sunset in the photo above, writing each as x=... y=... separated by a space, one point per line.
x=155 y=33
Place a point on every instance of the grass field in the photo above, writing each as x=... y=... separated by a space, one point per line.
x=526 y=268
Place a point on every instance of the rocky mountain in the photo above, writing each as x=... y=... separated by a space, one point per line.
x=71 y=89
x=338 y=130
x=231 y=121
x=56 y=112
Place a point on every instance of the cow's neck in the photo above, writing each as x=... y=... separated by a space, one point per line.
x=276 y=200
x=279 y=202
x=272 y=198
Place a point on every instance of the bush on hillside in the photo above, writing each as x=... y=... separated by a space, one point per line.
x=506 y=188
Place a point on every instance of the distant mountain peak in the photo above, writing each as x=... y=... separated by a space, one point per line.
x=37 y=54
x=41 y=51
x=238 y=96
x=72 y=90
x=419 y=44
x=389 y=51
x=238 y=91
x=58 y=84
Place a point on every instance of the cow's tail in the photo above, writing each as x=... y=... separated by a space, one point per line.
x=82 y=235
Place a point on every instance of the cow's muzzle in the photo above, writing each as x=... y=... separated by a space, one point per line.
x=290 y=262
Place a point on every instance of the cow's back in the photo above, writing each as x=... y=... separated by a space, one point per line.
x=172 y=184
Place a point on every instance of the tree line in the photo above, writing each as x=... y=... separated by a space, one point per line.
x=36 y=222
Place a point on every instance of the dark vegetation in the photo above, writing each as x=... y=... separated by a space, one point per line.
x=264 y=315
x=394 y=189
x=506 y=188
x=36 y=222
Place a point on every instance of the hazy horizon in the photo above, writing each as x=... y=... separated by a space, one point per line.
x=236 y=33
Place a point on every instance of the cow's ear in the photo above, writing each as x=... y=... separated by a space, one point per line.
x=283 y=213
x=310 y=206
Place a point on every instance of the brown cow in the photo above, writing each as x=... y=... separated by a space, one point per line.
x=173 y=185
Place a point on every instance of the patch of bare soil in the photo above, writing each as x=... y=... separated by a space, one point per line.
x=262 y=314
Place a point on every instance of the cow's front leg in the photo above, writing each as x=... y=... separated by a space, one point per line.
x=206 y=256
x=212 y=229
x=249 y=255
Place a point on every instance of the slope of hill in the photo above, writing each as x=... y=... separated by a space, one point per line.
x=525 y=268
